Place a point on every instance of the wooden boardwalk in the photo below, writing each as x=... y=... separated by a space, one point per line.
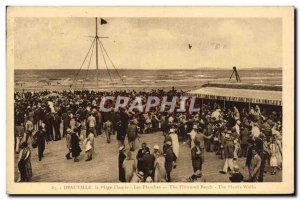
x=104 y=167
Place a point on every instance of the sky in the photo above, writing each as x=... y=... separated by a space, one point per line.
x=150 y=43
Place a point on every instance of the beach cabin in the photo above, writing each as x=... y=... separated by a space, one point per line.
x=240 y=95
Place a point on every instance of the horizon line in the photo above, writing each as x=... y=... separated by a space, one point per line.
x=206 y=68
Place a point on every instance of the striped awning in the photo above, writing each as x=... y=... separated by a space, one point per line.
x=239 y=95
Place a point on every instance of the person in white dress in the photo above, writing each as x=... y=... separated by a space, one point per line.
x=273 y=160
x=175 y=142
x=159 y=166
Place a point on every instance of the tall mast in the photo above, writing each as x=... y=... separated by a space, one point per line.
x=96 y=37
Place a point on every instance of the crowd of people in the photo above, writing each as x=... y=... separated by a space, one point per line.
x=232 y=133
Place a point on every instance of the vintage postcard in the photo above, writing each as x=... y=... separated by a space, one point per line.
x=150 y=100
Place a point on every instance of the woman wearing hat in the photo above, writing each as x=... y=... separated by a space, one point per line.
x=89 y=147
x=274 y=151
x=192 y=135
x=68 y=143
x=175 y=142
x=28 y=129
x=24 y=163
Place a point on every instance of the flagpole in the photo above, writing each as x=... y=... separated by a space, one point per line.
x=96 y=37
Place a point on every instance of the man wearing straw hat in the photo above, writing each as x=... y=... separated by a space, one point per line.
x=91 y=120
x=228 y=153
x=108 y=129
x=132 y=135
x=200 y=137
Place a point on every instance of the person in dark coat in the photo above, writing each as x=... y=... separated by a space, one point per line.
x=66 y=122
x=148 y=165
x=125 y=120
x=196 y=157
x=244 y=140
x=122 y=157
x=120 y=133
x=208 y=141
x=49 y=126
x=98 y=117
x=40 y=137
x=181 y=132
x=57 y=121
x=167 y=139
x=140 y=156
x=75 y=146
x=170 y=159
x=259 y=144
x=165 y=126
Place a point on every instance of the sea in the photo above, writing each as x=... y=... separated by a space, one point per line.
x=146 y=80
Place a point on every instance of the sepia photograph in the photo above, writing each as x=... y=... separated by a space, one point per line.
x=199 y=102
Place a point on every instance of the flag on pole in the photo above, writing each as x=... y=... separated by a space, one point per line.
x=102 y=21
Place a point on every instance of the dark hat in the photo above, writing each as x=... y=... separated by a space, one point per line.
x=24 y=145
x=262 y=136
x=197 y=142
